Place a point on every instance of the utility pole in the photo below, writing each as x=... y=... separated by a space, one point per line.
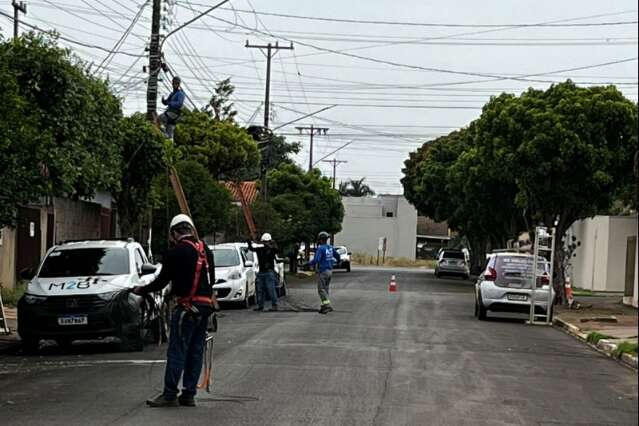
x=334 y=162
x=312 y=131
x=154 y=62
x=271 y=51
x=17 y=8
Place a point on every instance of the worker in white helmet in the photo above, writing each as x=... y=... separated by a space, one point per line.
x=266 y=277
x=188 y=265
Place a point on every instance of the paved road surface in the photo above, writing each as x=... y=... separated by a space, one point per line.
x=416 y=357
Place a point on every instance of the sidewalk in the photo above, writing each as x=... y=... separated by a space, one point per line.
x=10 y=341
x=604 y=323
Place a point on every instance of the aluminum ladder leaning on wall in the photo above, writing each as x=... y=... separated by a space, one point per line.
x=544 y=244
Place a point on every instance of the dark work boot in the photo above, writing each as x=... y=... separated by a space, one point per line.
x=186 y=401
x=323 y=309
x=161 y=401
x=259 y=309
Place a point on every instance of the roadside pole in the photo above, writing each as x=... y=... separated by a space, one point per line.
x=17 y=8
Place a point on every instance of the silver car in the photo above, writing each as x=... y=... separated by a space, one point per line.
x=452 y=262
x=505 y=284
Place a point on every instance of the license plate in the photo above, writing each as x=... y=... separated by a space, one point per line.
x=519 y=297
x=73 y=320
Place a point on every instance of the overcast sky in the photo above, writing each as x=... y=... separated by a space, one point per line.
x=395 y=86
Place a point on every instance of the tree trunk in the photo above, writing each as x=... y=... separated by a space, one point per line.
x=559 y=275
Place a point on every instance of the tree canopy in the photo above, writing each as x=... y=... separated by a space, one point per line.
x=561 y=154
x=47 y=148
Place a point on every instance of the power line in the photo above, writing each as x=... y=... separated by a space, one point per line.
x=424 y=24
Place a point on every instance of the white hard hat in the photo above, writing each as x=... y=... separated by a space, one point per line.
x=181 y=218
x=266 y=237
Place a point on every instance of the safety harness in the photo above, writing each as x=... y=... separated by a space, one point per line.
x=202 y=262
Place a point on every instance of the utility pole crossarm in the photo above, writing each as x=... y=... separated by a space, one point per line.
x=335 y=162
x=312 y=131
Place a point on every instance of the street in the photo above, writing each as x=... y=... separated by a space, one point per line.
x=414 y=357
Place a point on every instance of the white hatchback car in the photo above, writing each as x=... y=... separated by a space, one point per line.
x=506 y=284
x=234 y=274
x=69 y=295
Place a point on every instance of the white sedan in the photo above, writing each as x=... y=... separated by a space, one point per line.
x=234 y=275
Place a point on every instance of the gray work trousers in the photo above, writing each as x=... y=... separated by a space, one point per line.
x=323 y=281
x=167 y=119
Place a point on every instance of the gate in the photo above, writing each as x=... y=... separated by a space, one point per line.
x=28 y=237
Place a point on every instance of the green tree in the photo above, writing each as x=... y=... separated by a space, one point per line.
x=209 y=201
x=220 y=103
x=143 y=149
x=558 y=155
x=48 y=147
x=300 y=206
x=355 y=188
x=225 y=148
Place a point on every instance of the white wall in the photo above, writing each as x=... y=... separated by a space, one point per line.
x=601 y=259
x=365 y=222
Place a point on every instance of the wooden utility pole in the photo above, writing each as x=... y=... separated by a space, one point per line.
x=312 y=131
x=334 y=162
x=152 y=97
x=17 y=8
x=269 y=50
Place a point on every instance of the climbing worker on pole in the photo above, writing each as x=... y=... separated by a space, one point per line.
x=266 y=277
x=189 y=266
x=169 y=118
x=325 y=256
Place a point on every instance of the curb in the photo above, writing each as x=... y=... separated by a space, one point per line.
x=604 y=347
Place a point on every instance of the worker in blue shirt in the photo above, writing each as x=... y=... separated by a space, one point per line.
x=169 y=118
x=325 y=256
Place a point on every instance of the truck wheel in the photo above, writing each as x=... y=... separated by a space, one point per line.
x=348 y=267
x=481 y=310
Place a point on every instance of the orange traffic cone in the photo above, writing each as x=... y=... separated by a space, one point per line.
x=568 y=288
x=392 y=287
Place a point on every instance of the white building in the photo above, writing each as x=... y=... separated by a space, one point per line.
x=366 y=220
x=601 y=258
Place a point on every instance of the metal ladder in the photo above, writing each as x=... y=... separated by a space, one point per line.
x=544 y=244
x=4 y=327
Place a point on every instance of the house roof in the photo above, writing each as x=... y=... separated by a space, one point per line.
x=248 y=188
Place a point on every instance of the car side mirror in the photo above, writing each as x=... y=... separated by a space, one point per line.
x=148 y=269
x=248 y=264
x=350 y=253
x=27 y=273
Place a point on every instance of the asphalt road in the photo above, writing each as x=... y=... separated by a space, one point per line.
x=415 y=357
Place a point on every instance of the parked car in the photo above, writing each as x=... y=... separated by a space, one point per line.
x=505 y=285
x=234 y=274
x=452 y=262
x=71 y=296
x=344 y=259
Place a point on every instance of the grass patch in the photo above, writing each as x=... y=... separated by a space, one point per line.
x=10 y=296
x=625 y=348
x=367 y=260
x=581 y=292
x=594 y=337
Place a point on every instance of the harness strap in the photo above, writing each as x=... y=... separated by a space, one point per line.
x=201 y=262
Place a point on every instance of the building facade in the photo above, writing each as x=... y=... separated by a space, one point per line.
x=367 y=220
x=601 y=262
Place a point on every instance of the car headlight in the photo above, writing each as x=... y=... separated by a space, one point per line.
x=107 y=296
x=236 y=275
x=32 y=299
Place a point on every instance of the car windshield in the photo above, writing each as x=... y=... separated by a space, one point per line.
x=453 y=255
x=225 y=257
x=86 y=262
x=341 y=250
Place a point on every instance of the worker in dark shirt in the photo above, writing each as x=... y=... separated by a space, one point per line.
x=266 y=277
x=189 y=266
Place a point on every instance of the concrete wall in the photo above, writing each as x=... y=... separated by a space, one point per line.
x=601 y=258
x=7 y=258
x=365 y=221
x=76 y=220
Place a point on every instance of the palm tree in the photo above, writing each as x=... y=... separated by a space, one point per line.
x=355 y=188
